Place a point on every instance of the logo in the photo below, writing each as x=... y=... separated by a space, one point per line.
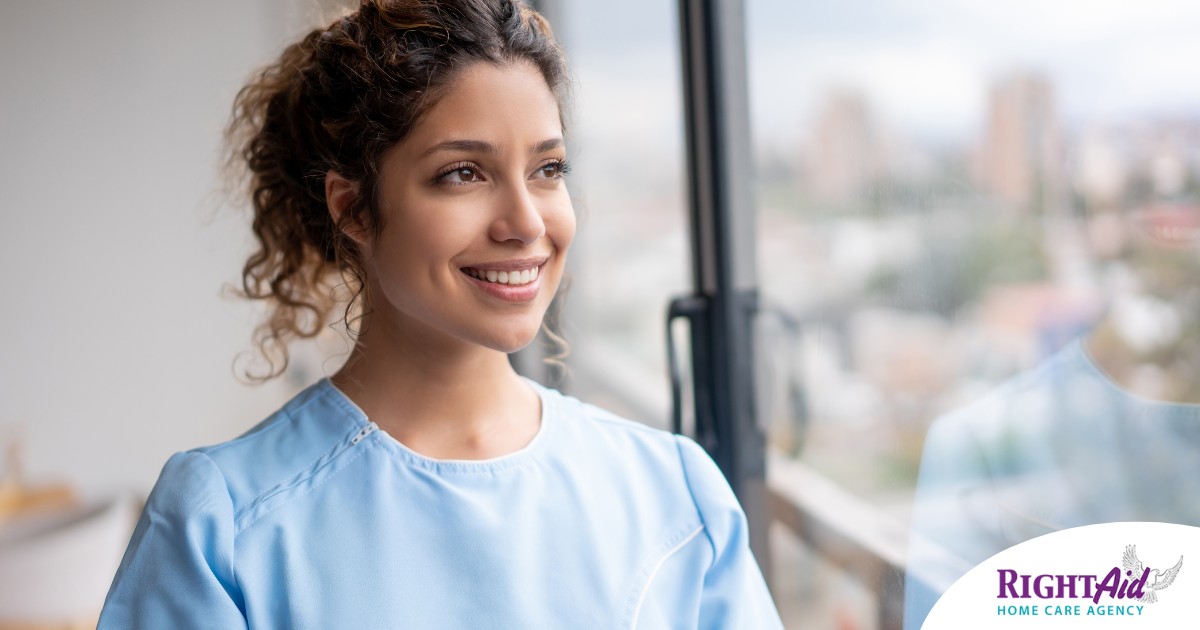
x=1108 y=576
x=1127 y=584
x=1162 y=579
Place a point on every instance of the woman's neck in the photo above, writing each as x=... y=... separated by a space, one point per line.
x=443 y=398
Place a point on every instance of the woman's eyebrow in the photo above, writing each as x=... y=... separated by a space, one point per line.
x=546 y=145
x=473 y=146
x=481 y=146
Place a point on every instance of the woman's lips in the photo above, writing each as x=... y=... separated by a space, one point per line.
x=498 y=283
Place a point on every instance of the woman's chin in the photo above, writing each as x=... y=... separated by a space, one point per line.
x=513 y=342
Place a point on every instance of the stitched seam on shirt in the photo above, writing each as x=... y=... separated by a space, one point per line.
x=687 y=480
x=240 y=527
x=282 y=486
x=290 y=419
x=293 y=419
x=637 y=611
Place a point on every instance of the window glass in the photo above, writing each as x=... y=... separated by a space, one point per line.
x=630 y=254
x=979 y=258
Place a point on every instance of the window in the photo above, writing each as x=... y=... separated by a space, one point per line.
x=630 y=253
x=953 y=196
x=977 y=230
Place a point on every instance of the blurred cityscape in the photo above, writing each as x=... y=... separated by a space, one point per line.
x=918 y=275
x=924 y=275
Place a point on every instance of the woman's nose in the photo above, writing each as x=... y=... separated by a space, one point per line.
x=518 y=218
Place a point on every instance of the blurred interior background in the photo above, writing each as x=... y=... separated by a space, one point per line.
x=948 y=193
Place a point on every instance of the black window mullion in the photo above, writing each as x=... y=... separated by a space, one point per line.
x=722 y=232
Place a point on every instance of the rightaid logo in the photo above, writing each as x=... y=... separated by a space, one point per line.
x=1130 y=582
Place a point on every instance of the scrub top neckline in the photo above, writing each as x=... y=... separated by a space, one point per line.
x=507 y=460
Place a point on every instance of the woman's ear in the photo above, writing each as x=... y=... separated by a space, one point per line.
x=340 y=195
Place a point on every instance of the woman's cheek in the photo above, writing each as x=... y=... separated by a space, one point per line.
x=565 y=226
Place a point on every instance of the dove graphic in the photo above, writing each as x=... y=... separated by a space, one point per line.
x=1162 y=579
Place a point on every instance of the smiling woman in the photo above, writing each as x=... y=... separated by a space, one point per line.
x=414 y=150
x=477 y=186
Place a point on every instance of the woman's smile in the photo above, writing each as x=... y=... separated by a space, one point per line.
x=511 y=281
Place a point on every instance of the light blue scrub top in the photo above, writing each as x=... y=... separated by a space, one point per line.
x=315 y=518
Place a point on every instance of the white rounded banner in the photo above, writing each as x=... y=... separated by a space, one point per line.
x=1112 y=575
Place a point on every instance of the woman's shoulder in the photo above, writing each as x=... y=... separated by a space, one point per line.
x=651 y=455
x=304 y=432
x=602 y=431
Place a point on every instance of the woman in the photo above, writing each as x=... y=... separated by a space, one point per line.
x=415 y=150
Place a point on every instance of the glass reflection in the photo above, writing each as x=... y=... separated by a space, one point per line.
x=980 y=222
x=1106 y=429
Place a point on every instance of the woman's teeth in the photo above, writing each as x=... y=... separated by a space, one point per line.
x=511 y=278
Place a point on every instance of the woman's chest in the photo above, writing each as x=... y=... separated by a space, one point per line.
x=423 y=553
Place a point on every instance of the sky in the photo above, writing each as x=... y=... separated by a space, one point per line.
x=925 y=66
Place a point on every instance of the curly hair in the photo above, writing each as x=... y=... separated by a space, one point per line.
x=336 y=101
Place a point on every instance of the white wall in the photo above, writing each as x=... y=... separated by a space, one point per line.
x=116 y=346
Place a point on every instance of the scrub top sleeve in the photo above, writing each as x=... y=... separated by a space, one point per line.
x=735 y=594
x=178 y=569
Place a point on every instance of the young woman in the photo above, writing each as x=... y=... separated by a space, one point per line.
x=414 y=151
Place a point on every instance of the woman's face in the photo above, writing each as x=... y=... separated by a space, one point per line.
x=476 y=216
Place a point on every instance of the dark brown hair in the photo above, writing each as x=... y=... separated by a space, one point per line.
x=337 y=100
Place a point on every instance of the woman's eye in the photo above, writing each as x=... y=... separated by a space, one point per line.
x=461 y=175
x=552 y=170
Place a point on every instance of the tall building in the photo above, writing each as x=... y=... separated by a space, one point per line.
x=1022 y=151
x=844 y=155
